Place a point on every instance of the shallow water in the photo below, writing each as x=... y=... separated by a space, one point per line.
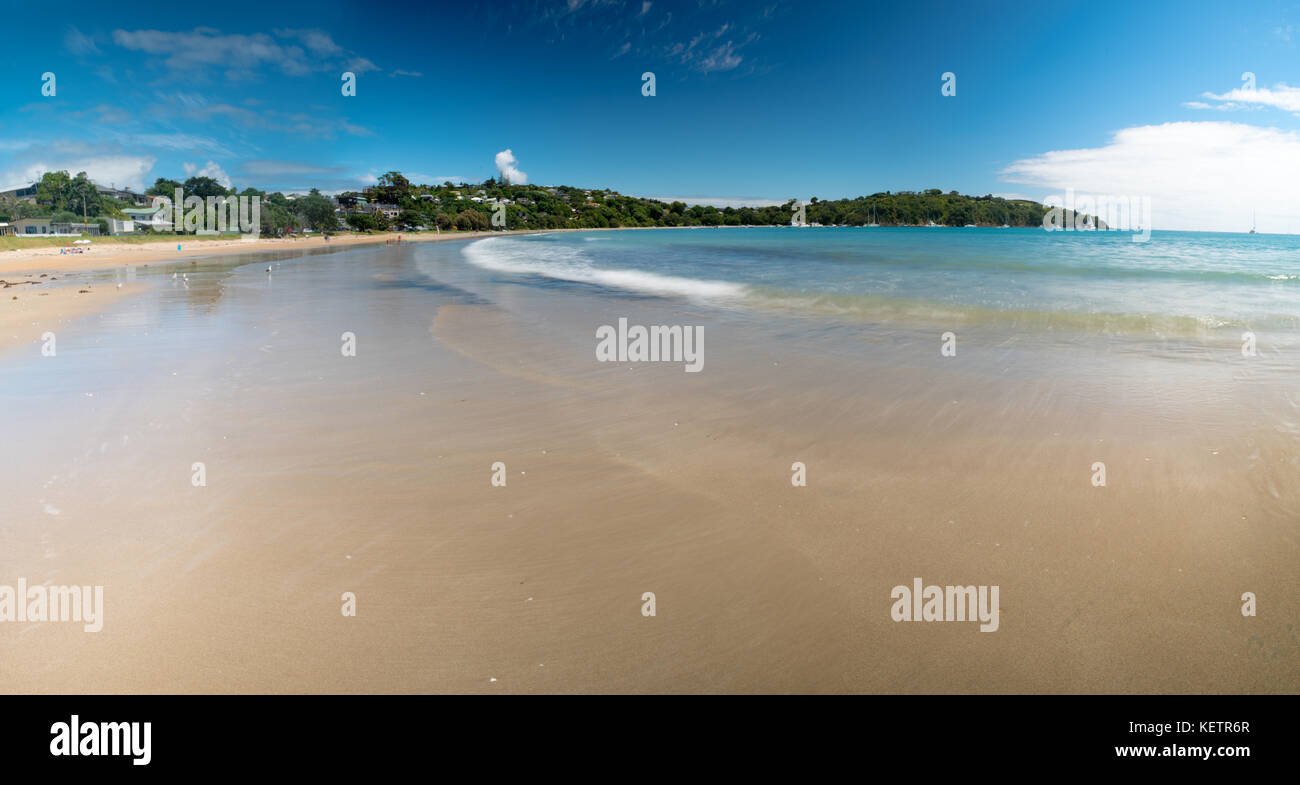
x=1177 y=283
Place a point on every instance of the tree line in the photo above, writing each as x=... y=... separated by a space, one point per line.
x=465 y=206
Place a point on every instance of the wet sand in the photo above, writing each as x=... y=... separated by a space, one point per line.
x=105 y=255
x=371 y=474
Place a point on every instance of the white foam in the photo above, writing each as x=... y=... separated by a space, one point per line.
x=569 y=264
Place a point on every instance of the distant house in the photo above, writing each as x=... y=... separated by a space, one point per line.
x=26 y=192
x=6 y=229
x=138 y=219
x=389 y=211
x=22 y=192
x=28 y=227
x=123 y=194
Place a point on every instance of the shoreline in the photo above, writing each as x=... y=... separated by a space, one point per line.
x=30 y=305
x=47 y=259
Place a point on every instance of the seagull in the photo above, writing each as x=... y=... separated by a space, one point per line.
x=268 y=269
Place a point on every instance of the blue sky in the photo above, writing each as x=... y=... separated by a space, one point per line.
x=755 y=100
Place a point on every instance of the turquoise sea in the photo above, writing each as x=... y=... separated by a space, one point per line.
x=1177 y=284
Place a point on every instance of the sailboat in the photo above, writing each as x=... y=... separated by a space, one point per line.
x=873 y=217
x=1252 y=221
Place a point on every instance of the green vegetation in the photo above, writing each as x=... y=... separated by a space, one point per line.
x=470 y=206
x=394 y=202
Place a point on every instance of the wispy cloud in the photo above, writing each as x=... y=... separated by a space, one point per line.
x=318 y=42
x=78 y=43
x=194 y=107
x=718 y=50
x=1280 y=96
x=270 y=168
x=293 y=52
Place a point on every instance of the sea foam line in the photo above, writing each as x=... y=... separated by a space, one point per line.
x=569 y=264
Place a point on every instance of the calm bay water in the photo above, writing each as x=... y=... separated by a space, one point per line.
x=1176 y=284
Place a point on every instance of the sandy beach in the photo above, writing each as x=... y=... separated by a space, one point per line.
x=108 y=255
x=371 y=474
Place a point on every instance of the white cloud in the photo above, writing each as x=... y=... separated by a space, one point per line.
x=1199 y=175
x=123 y=171
x=211 y=169
x=507 y=167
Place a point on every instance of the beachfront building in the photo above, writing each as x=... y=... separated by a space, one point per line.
x=138 y=219
x=46 y=227
x=23 y=192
